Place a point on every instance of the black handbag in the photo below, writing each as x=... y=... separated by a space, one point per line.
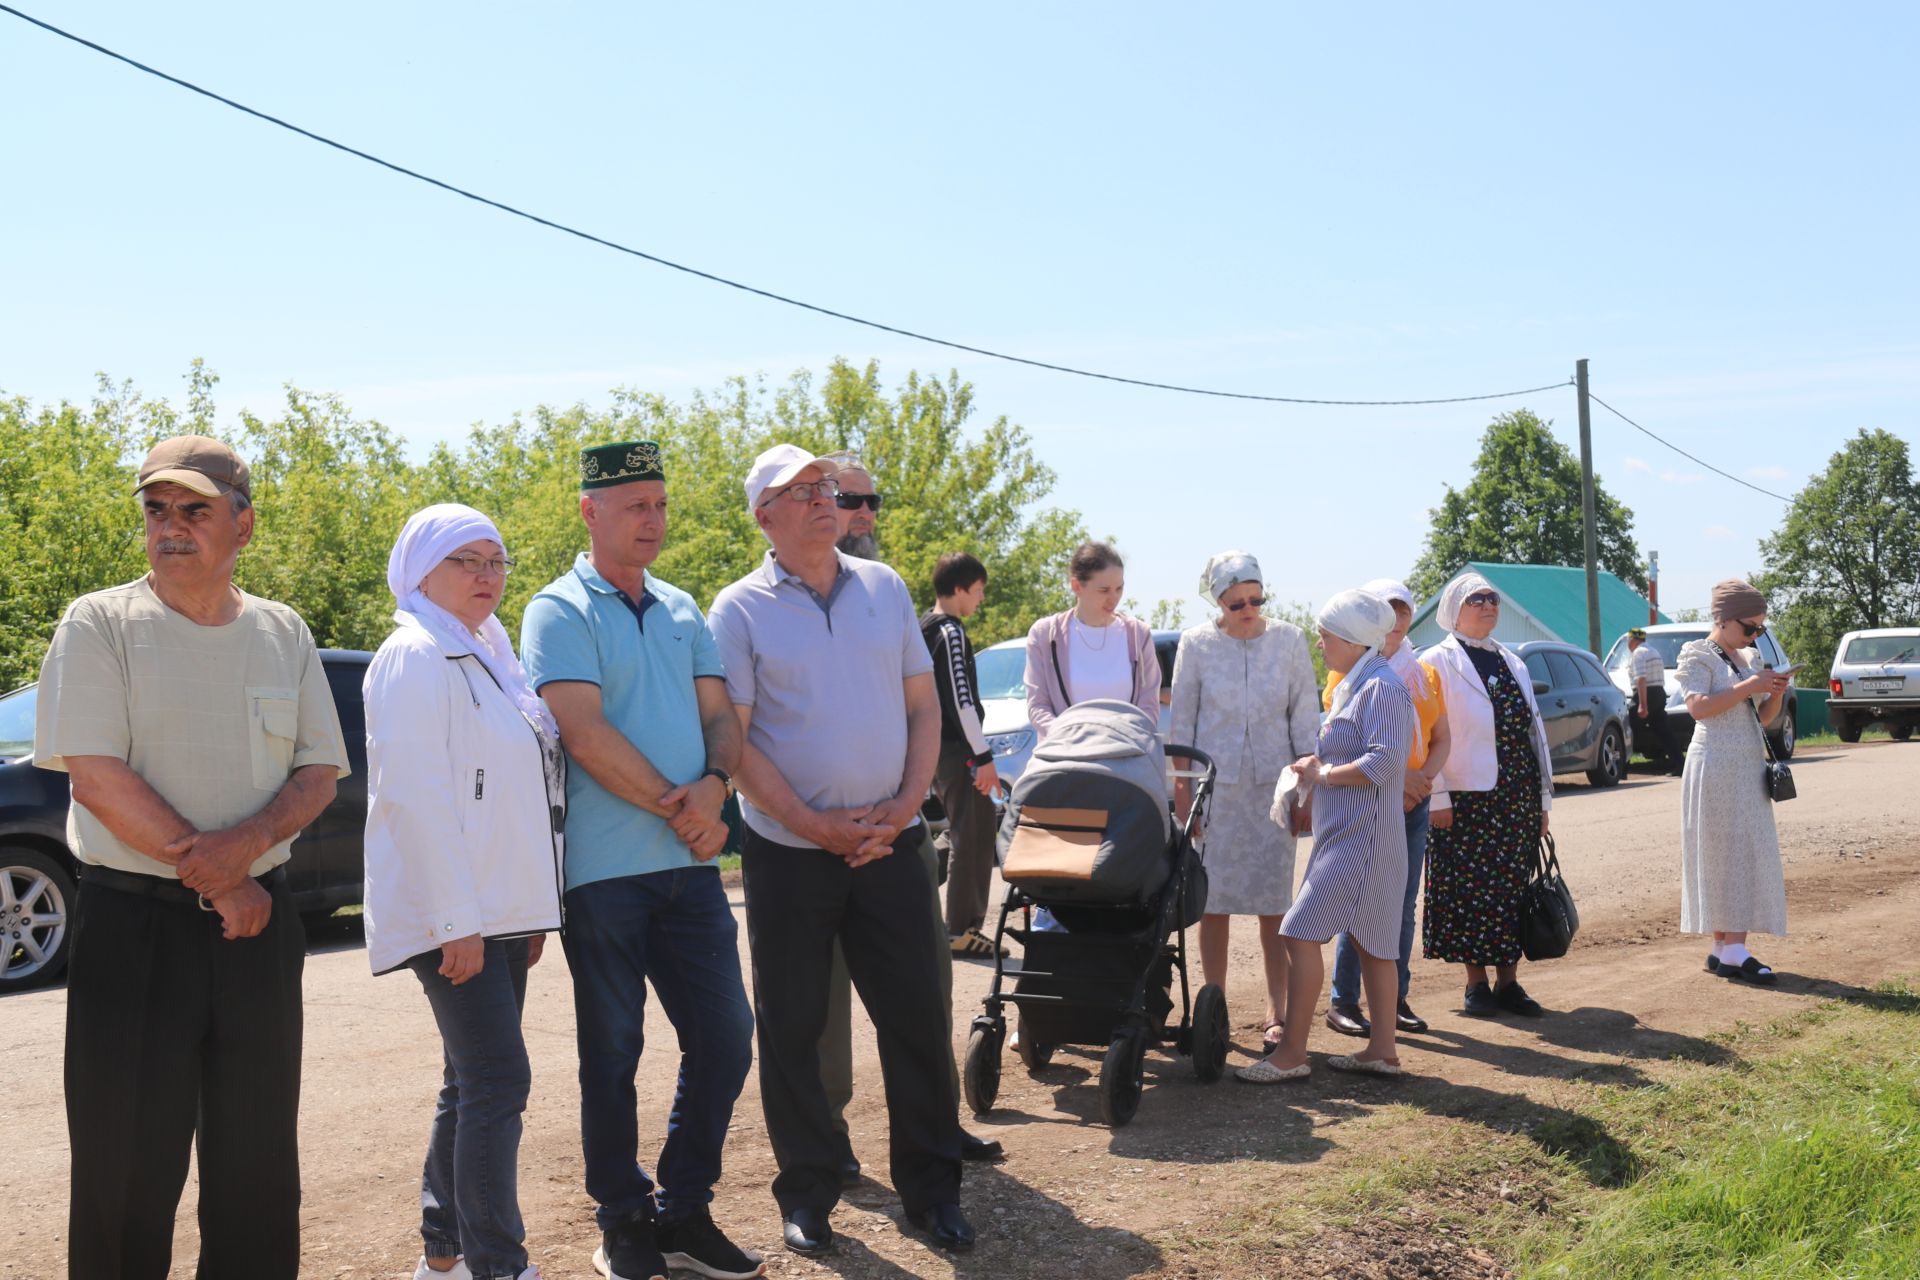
x=1548 y=918
x=1776 y=775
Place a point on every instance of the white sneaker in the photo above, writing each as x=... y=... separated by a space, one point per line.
x=457 y=1272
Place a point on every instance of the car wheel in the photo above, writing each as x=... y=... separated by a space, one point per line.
x=1901 y=732
x=36 y=908
x=1847 y=727
x=1787 y=739
x=1610 y=762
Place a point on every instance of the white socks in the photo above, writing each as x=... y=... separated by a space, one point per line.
x=1732 y=954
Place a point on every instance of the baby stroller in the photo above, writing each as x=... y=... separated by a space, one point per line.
x=1088 y=834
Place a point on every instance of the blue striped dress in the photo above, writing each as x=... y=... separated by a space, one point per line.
x=1357 y=876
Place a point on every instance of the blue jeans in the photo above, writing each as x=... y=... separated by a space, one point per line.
x=469 y=1198
x=673 y=929
x=1346 y=956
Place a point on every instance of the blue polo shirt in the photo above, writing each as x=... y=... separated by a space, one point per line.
x=645 y=655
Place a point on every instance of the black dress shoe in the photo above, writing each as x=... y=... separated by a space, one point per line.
x=1514 y=999
x=1347 y=1020
x=807 y=1232
x=1480 y=1002
x=1406 y=1020
x=972 y=1148
x=849 y=1169
x=947 y=1225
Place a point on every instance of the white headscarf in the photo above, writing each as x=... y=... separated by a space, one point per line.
x=1455 y=594
x=1226 y=571
x=430 y=536
x=1358 y=617
x=1404 y=664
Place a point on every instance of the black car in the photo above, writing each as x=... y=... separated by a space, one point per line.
x=1585 y=714
x=38 y=873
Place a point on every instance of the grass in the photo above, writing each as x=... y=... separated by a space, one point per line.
x=1797 y=1156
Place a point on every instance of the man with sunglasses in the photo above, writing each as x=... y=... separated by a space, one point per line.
x=834 y=688
x=859 y=507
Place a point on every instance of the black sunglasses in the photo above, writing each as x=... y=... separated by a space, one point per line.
x=852 y=501
x=1750 y=629
x=1491 y=599
x=1254 y=603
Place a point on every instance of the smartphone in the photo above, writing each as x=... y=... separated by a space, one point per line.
x=1787 y=671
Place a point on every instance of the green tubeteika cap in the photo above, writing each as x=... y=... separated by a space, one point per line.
x=605 y=465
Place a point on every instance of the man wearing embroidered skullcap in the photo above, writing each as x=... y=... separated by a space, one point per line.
x=635 y=680
x=197 y=728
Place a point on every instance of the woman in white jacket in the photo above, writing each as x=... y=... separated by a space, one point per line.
x=1490 y=801
x=465 y=797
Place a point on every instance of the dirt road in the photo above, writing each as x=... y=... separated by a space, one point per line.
x=1071 y=1194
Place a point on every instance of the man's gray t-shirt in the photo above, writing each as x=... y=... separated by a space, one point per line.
x=824 y=676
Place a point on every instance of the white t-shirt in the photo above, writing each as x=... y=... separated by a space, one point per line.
x=1099 y=663
x=1646 y=665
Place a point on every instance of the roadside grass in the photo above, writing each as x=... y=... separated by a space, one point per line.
x=1828 y=738
x=1795 y=1155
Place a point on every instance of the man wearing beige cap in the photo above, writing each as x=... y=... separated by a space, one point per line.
x=200 y=736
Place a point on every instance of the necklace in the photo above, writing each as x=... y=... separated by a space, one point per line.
x=1086 y=634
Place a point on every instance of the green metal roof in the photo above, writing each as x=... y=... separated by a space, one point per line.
x=1556 y=596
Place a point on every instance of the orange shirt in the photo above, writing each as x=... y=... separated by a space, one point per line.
x=1429 y=704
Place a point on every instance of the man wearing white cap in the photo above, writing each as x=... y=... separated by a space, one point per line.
x=834 y=686
x=1424 y=762
x=196 y=724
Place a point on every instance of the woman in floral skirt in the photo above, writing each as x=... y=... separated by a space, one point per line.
x=1490 y=802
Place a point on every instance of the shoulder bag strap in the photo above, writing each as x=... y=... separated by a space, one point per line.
x=1734 y=667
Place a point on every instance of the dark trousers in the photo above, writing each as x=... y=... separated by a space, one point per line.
x=675 y=930
x=836 y=1042
x=971 y=825
x=1659 y=746
x=798 y=902
x=177 y=1038
x=469 y=1187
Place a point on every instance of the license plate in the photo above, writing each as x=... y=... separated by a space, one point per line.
x=1883 y=684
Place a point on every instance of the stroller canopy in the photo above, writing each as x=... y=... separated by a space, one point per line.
x=1088 y=820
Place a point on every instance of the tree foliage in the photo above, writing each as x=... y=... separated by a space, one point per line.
x=332 y=490
x=1523 y=507
x=1847 y=556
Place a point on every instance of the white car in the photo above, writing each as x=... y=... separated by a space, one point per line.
x=1876 y=676
x=1003 y=697
x=1667 y=639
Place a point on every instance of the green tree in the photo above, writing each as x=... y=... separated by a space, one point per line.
x=1523 y=507
x=1847 y=556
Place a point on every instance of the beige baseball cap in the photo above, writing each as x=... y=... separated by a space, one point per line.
x=199 y=463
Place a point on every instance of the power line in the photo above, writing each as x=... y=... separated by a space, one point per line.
x=1682 y=452
x=719 y=279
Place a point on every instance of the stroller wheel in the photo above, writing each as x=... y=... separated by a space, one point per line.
x=1121 y=1076
x=1210 y=1033
x=1034 y=1055
x=980 y=1074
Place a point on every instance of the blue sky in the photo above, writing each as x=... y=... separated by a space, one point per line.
x=1714 y=204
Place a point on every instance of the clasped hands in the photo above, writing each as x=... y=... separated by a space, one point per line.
x=693 y=811
x=214 y=864
x=861 y=835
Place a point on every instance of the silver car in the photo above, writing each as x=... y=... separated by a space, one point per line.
x=1875 y=677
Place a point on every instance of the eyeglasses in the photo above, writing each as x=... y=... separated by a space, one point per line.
x=1751 y=629
x=852 y=501
x=473 y=564
x=1254 y=603
x=1484 y=599
x=805 y=491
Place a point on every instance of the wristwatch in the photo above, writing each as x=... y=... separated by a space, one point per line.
x=726 y=779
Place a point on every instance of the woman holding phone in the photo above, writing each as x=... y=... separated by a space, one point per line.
x=1731 y=882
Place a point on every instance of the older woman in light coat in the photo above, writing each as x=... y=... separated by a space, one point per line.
x=1490 y=802
x=1244 y=693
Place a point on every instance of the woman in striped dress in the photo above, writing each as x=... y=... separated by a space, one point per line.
x=1357 y=876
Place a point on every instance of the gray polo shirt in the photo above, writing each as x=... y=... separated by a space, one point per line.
x=824 y=676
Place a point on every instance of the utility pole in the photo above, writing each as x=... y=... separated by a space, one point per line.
x=1589 y=531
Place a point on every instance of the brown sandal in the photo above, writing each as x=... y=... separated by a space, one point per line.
x=1271 y=1036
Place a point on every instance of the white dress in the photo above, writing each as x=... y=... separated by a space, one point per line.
x=1252 y=706
x=1731 y=880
